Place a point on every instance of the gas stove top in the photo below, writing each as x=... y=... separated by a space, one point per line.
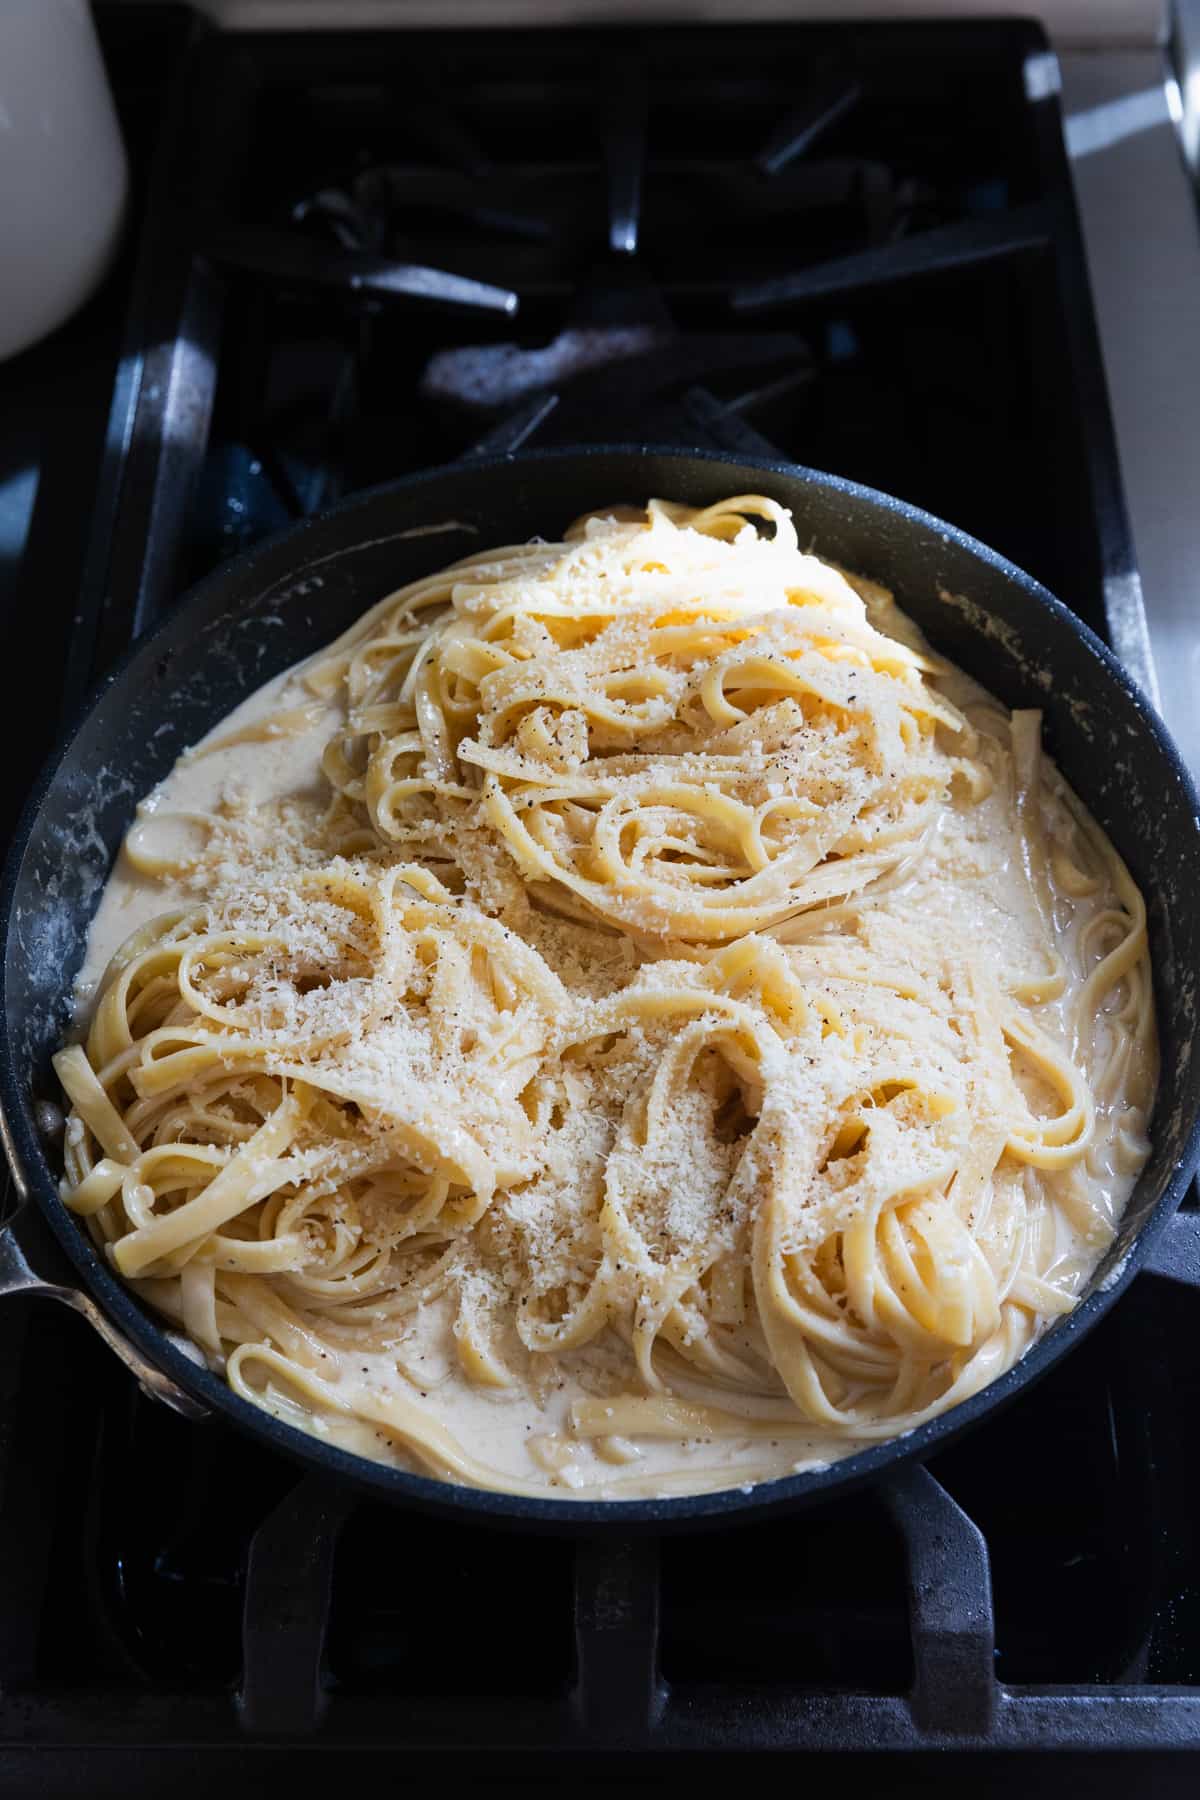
x=357 y=255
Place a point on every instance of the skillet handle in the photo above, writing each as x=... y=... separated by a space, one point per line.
x=32 y=1263
x=1175 y=1254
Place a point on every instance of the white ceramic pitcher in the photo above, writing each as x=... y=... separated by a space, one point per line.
x=63 y=174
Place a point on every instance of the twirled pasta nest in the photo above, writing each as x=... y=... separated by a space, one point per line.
x=675 y=725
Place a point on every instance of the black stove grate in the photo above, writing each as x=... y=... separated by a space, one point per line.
x=364 y=254
x=862 y=245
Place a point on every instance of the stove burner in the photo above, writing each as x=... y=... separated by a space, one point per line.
x=488 y=377
x=609 y=369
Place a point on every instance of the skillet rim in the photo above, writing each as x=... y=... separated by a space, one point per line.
x=38 y=1185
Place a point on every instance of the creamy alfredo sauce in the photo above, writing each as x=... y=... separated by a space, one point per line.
x=270 y=749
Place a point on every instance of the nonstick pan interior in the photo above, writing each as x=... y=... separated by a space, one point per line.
x=294 y=593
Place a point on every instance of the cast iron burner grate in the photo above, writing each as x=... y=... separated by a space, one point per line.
x=363 y=254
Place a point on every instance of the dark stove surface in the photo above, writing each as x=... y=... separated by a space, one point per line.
x=845 y=239
x=359 y=255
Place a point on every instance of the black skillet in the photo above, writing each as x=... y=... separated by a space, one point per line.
x=294 y=593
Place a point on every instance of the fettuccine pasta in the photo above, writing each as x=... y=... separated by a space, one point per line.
x=625 y=1019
